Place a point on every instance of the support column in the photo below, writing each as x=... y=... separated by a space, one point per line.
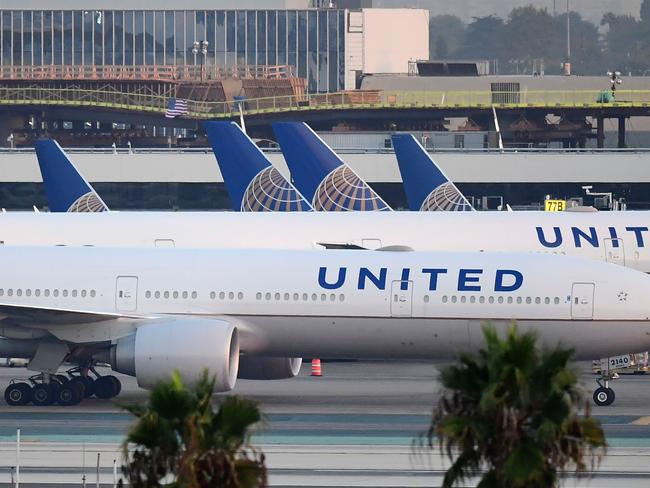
x=600 y=132
x=621 y=132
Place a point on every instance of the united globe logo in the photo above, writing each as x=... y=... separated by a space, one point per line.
x=271 y=192
x=87 y=203
x=445 y=198
x=342 y=190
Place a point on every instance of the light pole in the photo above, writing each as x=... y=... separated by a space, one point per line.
x=614 y=79
x=200 y=47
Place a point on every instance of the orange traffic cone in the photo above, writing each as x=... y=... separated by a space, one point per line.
x=316 y=369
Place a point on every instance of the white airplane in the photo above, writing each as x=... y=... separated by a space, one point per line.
x=618 y=237
x=149 y=312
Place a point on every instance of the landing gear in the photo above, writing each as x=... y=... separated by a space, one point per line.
x=604 y=395
x=66 y=390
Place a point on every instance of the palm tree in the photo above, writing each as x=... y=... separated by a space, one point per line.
x=180 y=440
x=512 y=413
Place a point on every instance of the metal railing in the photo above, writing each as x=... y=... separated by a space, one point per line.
x=145 y=73
x=146 y=102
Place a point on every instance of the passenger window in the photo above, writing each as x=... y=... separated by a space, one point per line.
x=341 y=297
x=92 y=293
x=547 y=300
x=222 y=295
x=491 y=299
x=323 y=297
x=444 y=299
x=166 y=294
x=481 y=299
x=287 y=296
x=519 y=300
x=185 y=294
x=296 y=297
x=231 y=295
x=175 y=295
x=213 y=295
x=147 y=294
x=509 y=299
x=194 y=295
x=267 y=296
x=19 y=293
x=46 y=292
x=258 y=295
x=472 y=299
x=84 y=293
x=305 y=297
x=314 y=297
x=74 y=293
x=28 y=292
x=2 y=292
x=538 y=300
x=556 y=301
x=277 y=296
x=37 y=292
x=157 y=294
x=240 y=295
x=426 y=298
x=500 y=299
x=463 y=298
x=55 y=293
x=529 y=300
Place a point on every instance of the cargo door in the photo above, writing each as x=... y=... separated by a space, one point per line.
x=615 y=251
x=165 y=243
x=126 y=293
x=401 y=302
x=582 y=301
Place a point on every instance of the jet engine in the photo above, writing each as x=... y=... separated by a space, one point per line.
x=154 y=351
x=268 y=368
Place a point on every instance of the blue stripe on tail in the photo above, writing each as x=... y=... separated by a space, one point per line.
x=253 y=184
x=66 y=189
x=427 y=188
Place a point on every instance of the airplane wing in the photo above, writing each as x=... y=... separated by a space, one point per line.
x=56 y=316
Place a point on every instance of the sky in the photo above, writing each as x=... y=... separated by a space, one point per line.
x=591 y=10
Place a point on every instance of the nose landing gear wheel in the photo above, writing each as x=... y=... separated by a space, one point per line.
x=604 y=397
x=18 y=394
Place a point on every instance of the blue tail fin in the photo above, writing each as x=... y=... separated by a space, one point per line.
x=254 y=185
x=327 y=182
x=66 y=189
x=427 y=188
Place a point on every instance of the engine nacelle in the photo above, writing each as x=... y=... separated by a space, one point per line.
x=154 y=351
x=268 y=368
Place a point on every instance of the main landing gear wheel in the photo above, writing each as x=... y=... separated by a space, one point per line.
x=18 y=394
x=107 y=387
x=43 y=394
x=604 y=397
x=69 y=394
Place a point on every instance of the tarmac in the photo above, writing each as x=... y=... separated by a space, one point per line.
x=359 y=425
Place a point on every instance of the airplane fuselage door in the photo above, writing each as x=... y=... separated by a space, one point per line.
x=126 y=293
x=582 y=301
x=401 y=299
x=615 y=251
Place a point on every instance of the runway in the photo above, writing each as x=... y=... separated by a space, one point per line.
x=358 y=425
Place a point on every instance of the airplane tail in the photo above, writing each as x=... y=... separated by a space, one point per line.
x=427 y=188
x=327 y=182
x=253 y=184
x=66 y=189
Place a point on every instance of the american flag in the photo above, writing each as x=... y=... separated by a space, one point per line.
x=175 y=108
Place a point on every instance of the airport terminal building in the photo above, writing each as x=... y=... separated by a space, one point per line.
x=325 y=46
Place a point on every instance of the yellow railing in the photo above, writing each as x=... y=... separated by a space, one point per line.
x=146 y=102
